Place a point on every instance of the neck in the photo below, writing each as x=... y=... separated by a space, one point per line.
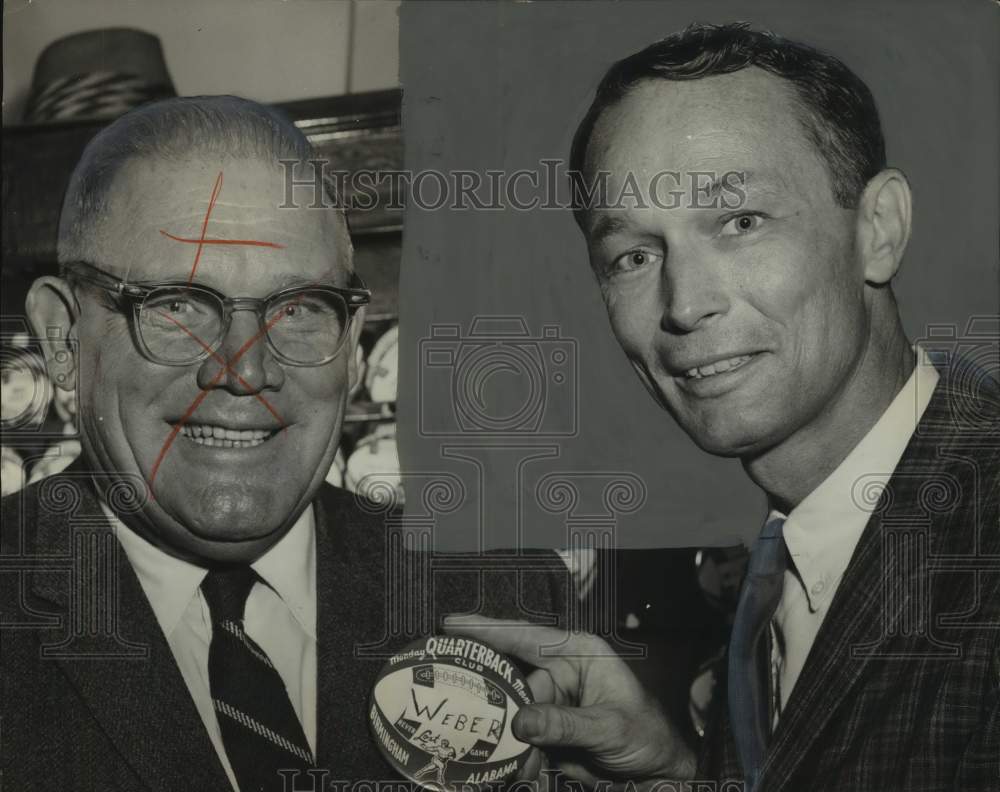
x=791 y=470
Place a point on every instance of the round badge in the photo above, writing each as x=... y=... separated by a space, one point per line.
x=441 y=711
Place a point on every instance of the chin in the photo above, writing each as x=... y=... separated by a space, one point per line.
x=207 y=552
x=721 y=446
x=724 y=437
x=230 y=511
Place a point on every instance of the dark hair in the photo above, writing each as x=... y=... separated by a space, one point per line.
x=172 y=129
x=838 y=110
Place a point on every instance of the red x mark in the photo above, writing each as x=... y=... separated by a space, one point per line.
x=227 y=365
x=229 y=369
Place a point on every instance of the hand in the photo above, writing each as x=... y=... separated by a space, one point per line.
x=591 y=714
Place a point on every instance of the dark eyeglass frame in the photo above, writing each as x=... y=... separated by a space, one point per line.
x=354 y=296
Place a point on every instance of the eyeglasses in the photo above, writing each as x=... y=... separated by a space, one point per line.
x=177 y=324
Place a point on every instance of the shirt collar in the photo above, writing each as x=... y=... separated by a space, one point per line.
x=282 y=569
x=170 y=583
x=823 y=530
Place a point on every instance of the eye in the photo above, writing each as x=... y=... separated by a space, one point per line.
x=634 y=260
x=742 y=224
x=302 y=306
x=169 y=305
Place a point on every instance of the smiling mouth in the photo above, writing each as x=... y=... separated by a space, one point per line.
x=718 y=367
x=220 y=437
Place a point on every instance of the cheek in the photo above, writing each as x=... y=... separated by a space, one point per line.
x=119 y=389
x=138 y=386
x=635 y=319
x=321 y=392
x=818 y=300
x=101 y=372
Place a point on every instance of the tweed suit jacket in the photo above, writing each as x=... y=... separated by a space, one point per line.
x=901 y=689
x=92 y=696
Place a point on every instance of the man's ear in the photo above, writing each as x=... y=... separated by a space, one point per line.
x=52 y=311
x=884 y=218
x=353 y=359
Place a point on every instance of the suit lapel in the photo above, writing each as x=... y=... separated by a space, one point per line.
x=863 y=614
x=350 y=595
x=328 y=654
x=140 y=699
x=830 y=671
x=353 y=629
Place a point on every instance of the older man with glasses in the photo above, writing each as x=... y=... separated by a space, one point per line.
x=210 y=332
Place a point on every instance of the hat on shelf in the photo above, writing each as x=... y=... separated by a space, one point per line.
x=97 y=74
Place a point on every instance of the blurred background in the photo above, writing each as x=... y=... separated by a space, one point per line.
x=267 y=50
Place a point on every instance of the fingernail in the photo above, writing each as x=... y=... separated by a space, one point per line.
x=528 y=723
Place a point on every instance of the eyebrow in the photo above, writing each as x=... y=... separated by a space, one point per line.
x=750 y=181
x=297 y=281
x=290 y=281
x=607 y=225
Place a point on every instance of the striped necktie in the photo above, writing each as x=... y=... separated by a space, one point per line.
x=260 y=730
x=749 y=661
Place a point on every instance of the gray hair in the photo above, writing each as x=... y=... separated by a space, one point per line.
x=171 y=129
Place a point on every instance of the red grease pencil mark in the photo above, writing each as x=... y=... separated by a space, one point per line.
x=256 y=242
x=204 y=226
x=202 y=240
x=228 y=368
x=227 y=365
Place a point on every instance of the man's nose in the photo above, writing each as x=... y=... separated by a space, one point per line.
x=694 y=291
x=243 y=364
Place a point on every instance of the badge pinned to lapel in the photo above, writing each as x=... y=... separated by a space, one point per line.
x=441 y=713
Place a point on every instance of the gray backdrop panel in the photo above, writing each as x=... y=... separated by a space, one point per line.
x=503 y=86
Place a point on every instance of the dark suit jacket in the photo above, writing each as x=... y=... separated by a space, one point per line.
x=76 y=720
x=901 y=690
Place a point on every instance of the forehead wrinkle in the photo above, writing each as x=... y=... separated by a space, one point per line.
x=628 y=136
x=230 y=220
x=760 y=182
x=129 y=238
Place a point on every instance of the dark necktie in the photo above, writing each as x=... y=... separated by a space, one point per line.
x=749 y=660
x=260 y=730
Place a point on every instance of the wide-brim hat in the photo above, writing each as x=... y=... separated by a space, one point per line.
x=97 y=74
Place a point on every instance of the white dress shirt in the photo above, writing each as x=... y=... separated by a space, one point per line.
x=279 y=616
x=822 y=532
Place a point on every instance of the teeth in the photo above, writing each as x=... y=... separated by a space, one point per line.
x=219 y=437
x=717 y=368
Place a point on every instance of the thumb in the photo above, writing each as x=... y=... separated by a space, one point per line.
x=553 y=725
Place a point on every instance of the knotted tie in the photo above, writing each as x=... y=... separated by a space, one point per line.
x=260 y=729
x=749 y=663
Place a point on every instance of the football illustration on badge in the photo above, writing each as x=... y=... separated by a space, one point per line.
x=441 y=713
